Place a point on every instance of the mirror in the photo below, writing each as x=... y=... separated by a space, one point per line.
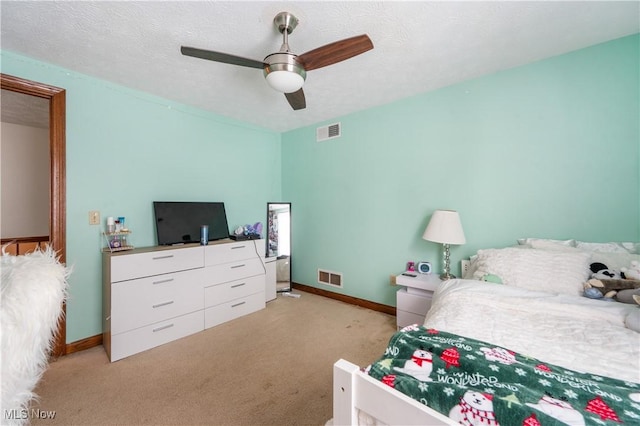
x=279 y=242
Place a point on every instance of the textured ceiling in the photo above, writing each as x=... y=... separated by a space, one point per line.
x=419 y=46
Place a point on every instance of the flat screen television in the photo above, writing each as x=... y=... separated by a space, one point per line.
x=178 y=222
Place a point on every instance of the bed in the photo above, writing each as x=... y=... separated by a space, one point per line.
x=515 y=343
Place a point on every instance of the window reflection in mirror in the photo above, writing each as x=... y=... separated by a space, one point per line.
x=279 y=242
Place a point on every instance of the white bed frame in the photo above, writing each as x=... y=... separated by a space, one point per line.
x=354 y=390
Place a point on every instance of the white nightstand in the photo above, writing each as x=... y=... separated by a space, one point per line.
x=414 y=300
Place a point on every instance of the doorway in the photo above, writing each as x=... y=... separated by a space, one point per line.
x=57 y=181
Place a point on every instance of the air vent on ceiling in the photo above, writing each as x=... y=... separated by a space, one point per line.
x=331 y=131
x=329 y=278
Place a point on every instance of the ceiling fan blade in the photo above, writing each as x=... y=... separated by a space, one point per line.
x=296 y=100
x=332 y=53
x=221 y=57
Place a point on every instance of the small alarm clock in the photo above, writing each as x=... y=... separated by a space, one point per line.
x=424 y=267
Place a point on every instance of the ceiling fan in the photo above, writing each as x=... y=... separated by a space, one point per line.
x=286 y=71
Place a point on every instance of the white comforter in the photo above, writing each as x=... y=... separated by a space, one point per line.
x=577 y=333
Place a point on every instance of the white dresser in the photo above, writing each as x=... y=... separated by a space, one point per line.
x=235 y=282
x=414 y=300
x=159 y=294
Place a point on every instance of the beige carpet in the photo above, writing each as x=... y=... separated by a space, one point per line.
x=273 y=367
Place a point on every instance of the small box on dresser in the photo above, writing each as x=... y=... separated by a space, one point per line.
x=414 y=299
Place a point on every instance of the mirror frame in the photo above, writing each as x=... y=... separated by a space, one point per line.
x=268 y=233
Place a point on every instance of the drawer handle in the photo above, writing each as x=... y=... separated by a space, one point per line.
x=164 y=327
x=237 y=247
x=163 y=281
x=238 y=266
x=238 y=304
x=169 y=256
x=162 y=304
x=238 y=285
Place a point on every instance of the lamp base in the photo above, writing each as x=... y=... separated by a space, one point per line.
x=446 y=276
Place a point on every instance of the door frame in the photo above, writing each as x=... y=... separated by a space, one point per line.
x=57 y=181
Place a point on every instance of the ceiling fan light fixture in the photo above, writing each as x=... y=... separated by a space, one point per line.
x=285 y=81
x=283 y=73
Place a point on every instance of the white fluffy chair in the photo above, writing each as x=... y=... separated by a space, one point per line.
x=32 y=289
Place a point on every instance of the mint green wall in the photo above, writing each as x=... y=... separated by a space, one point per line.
x=549 y=149
x=126 y=149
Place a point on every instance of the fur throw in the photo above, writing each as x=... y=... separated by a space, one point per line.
x=32 y=290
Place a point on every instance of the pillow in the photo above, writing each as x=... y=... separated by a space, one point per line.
x=535 y=269
x=551 y=245
x=614 y=261
x=569 y=243
x=606 y=247
x=473 y=267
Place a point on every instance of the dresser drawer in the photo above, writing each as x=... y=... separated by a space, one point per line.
x=233 y=309
x=221 y=293
x=414 y=303
x=233 y=271
x=141 y=339
x=138 y=265
x=216 y=254
x=136 y=303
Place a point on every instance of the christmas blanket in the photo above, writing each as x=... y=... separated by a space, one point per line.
x=478 y=383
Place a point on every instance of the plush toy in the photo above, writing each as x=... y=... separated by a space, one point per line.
x=633 y=272
x=631 y=295
x=618 y=290
x=491 y=278
x=632 y=320
x=609 y=285
x=600 y=271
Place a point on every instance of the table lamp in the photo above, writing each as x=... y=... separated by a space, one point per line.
x=445 y=228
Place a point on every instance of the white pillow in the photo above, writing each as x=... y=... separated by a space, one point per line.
x=605 y=247
x=633 y=248
x=534 y=269
x=525 y=241
x=552 y=245
x=614 y=261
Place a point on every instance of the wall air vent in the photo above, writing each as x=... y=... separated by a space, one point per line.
x=329 y=278
x=331 y=131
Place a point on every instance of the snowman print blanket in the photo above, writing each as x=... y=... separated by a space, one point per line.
x=478 y=383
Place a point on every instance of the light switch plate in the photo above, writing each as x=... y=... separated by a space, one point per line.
x=94 y=217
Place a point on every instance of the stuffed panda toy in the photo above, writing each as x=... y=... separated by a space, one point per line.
x=600 y=271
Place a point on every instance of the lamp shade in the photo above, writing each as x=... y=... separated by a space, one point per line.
x=285 y=81
x=445 y=228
